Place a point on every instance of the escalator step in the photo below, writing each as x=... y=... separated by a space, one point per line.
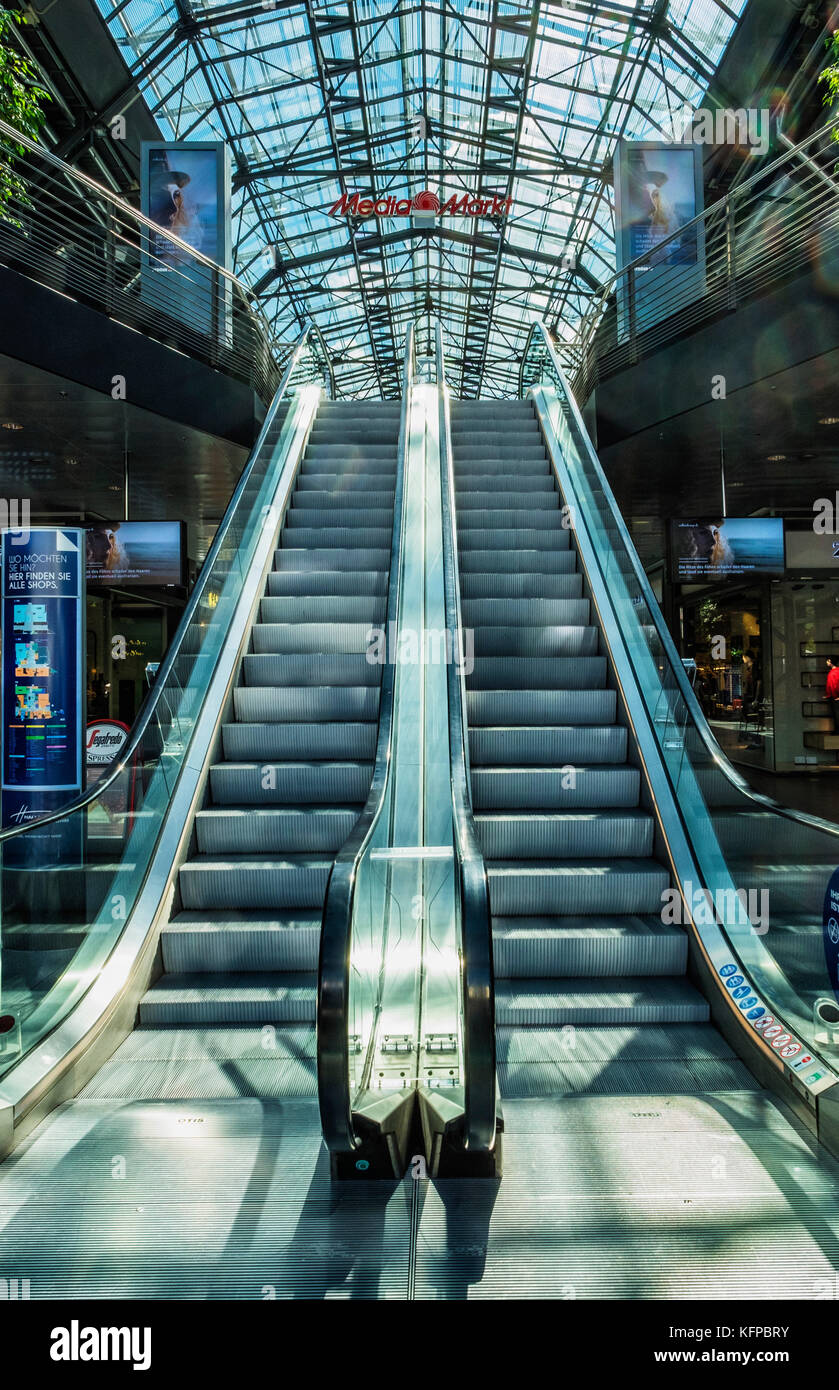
x=562 y=835
x=271 y=704
x=205 y=998
x=523 y=887
x=538 y=673
x=546 y=947
x=350 y=584
x=638 y=1000
x=276 y=829
x=299 y=784
x=560 y=788
x=299 y=637
x=324 y=608
x=545 y=745
x=310 y=668
x=242 y=942
x=245 y=880
x=288 y=742
x=535 y=707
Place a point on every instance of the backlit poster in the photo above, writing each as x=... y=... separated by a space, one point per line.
x=185 y=190
x=658 y=194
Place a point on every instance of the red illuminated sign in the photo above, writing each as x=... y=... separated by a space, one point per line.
x=458 y=205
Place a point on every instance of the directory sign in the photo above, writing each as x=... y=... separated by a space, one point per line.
x=43 y=695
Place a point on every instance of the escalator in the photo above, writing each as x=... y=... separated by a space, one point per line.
x=292 y=775
x=662 y=988
x=173 y=1038
x=351 y=888
x=575 y=884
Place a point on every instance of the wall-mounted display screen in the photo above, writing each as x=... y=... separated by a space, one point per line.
x=812 y=550
x=185 y=189
x=146 y=554
x=726 y=548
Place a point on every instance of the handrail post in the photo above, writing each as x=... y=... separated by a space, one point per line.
x=631 y=308
x=731 y=253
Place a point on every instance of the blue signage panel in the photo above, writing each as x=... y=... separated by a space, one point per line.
x=43 y=693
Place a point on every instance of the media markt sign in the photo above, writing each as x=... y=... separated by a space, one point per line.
x=422 y=205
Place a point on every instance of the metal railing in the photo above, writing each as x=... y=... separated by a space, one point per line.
x=61 y=228
x=768 y=229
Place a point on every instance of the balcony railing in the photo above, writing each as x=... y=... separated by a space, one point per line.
x=770 y=228
x=65 y=230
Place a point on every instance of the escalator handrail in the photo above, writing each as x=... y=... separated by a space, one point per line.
x=333 y=1001
x=155 y=693
x=476 y=965
x=686 y=691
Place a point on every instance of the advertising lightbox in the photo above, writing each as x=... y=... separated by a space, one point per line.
x=658 y=194
x=185 y=190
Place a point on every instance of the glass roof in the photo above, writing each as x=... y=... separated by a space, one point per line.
x=499 y=98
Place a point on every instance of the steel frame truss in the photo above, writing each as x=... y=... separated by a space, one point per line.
x=320 y=98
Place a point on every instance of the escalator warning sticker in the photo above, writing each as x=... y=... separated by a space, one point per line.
x=728 y=970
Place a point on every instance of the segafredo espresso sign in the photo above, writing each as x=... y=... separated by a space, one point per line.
x=423 y=204
x=106 y=739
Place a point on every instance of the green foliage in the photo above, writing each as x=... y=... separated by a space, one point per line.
x=829 y=79
x=20 y=106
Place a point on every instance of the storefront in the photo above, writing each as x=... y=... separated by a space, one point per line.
x=761 y=646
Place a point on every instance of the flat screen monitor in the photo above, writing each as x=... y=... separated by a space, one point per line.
x=136 y=554
x=702 y=552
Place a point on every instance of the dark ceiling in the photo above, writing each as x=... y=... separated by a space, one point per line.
x=70 y=455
